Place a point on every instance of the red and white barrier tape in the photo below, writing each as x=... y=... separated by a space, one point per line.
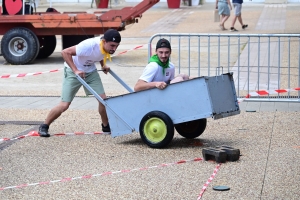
x=209 y=181
x=56 y=70
x=102 y=174
x=268 y=92
x=31 y=133
x=35 y=133
x=29 y=74
x=135 y=48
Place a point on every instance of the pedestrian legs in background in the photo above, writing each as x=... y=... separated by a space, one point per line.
x=224 y=18
x=224 y=7
x=237 y=15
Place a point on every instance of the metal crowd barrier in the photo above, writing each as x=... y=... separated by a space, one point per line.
x=259 y=61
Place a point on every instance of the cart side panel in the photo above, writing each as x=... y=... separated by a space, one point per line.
x=223 y=96
x=183 y=101
x=118 y=124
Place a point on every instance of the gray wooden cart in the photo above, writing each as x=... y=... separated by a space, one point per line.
x=183 y=105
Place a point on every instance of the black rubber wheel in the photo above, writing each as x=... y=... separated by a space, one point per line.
x=191 y=129
x=47 y=46
x=19 y=46
x=156 y=129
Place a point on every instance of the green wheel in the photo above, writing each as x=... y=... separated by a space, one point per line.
x=191 y=129
x=156 y=129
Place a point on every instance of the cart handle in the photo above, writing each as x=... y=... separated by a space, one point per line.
x=102 y=101
x=129 y=89
x=218 y=72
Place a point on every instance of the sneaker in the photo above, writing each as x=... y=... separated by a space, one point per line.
x=244 y=26
x=222 y=27
x=105 y=128
x=232 y=29
x=43 y=130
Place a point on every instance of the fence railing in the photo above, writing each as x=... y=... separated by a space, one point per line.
x=258 y=61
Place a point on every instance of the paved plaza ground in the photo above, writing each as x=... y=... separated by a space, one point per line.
x=97 y=166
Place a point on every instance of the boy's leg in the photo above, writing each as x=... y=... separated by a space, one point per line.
x=53 y=115
x=235 y=15
x=184 y=76
x=102 y=111
x=240 y=20
x=224 y=20
x=177 y=79
x=233 y=21
x=69 y=89
x=94 y=81
x=56 y=112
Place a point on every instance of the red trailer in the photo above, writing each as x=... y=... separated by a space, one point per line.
x=28 y=34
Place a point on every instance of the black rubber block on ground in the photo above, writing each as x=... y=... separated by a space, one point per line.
x=232 y=153
x=214 y=154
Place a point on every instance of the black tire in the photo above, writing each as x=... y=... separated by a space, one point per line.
x=191 y=129
x=47 y=46
x=19 y=46
x=156 y=129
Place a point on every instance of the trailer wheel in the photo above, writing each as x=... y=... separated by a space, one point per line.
x=191 y=129
x=47 y=46
x=19 y=46
x=156 y=129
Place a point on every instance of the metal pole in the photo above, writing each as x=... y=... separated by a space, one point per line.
x=248 y=65
x=189 y=55
x=208 y=63
x=289 y=67
x=299 y=68
x=279 y=64
x=179 y=45
x=199 y=56
x=228 y=55
x=258 y=62
x=219 y=51
x=269 y=47
x=239 y=66
x=101 y=100
x=129 y=89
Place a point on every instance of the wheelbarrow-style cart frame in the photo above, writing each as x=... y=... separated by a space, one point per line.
x=183 y=105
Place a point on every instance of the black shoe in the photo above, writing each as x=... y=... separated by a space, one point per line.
x=244 y=26
x=232 y=29
x=105 y=128
x=43 y=130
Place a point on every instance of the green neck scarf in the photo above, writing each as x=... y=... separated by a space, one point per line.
x=155 y=58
